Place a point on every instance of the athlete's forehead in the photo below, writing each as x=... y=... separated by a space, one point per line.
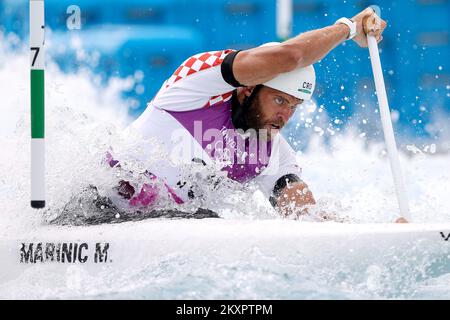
x=291 y=99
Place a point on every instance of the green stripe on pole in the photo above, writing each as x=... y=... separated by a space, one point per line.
x=37 y=104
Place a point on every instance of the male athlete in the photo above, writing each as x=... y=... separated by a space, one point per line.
x=229 y=106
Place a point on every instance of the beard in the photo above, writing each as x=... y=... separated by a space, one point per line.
x=255 y=120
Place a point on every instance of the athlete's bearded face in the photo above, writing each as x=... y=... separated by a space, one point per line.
x=270 y=110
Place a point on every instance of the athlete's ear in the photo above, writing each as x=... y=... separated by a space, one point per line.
x=248 y=90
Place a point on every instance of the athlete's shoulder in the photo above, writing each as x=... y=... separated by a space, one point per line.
x=197 y=83
x=198 y=62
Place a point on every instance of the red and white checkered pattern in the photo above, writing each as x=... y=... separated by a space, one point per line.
x=200 y=62
x=197 y=63
x=216 y=99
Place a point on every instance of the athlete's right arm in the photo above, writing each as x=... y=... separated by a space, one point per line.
x=261 y=64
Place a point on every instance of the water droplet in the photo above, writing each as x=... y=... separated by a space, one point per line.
x=433 y=148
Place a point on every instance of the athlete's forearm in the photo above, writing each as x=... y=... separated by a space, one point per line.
x=258 y=65
x=311 y=46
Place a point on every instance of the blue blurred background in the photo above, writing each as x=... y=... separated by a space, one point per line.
x=148 y=39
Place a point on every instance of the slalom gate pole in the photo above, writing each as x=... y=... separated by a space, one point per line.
x=37 y=39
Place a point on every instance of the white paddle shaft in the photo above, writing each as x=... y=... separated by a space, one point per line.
x=387 y=128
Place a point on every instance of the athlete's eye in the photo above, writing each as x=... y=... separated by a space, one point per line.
x=279 y=101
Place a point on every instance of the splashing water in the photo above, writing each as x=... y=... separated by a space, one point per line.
x=348 y=177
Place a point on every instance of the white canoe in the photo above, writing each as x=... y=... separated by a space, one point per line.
x=356 y=250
